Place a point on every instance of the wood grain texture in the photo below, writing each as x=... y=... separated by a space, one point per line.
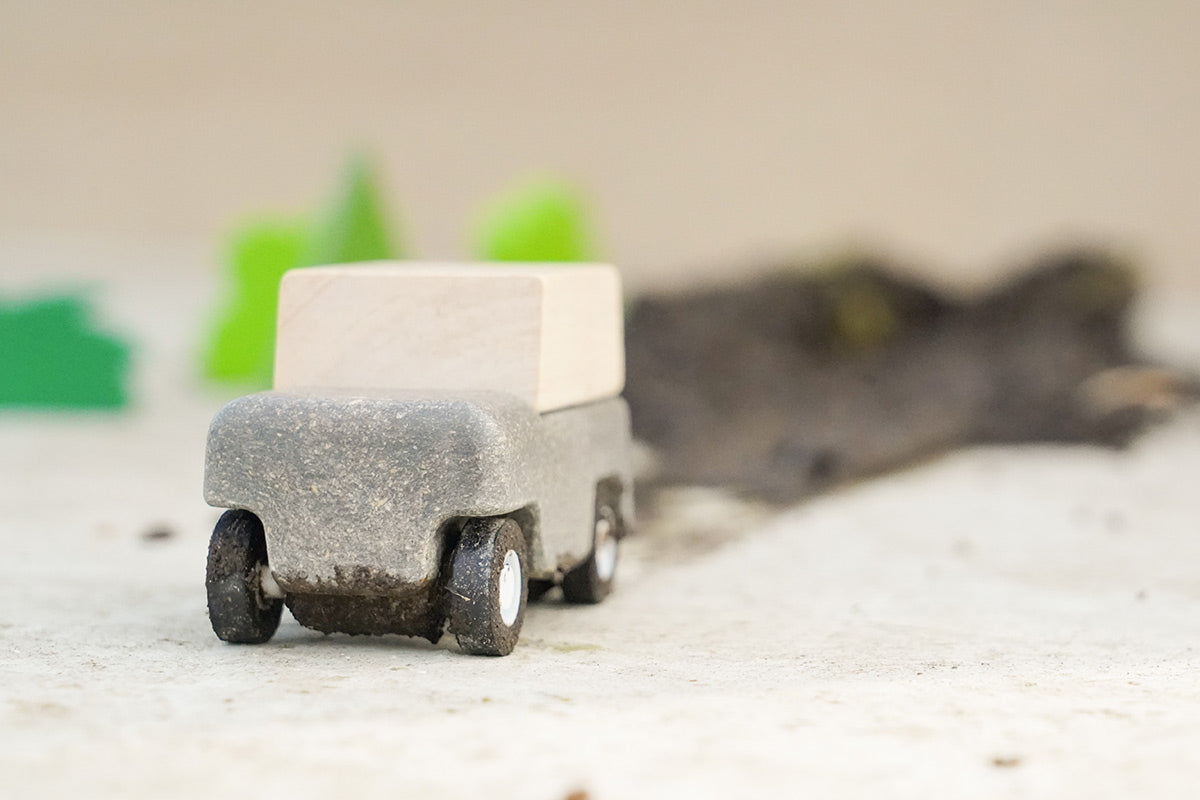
x=550 y=334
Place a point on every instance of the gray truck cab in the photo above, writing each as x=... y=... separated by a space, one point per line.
x=402 y=478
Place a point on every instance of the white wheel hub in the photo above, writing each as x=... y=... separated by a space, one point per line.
x=510 y=588
x=270 y=588
x=606 y=548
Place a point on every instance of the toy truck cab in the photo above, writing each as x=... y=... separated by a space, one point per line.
x=441 y=439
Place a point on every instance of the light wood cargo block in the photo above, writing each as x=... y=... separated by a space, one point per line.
x=551 y=335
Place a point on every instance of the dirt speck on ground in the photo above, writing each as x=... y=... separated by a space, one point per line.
x=158 y=533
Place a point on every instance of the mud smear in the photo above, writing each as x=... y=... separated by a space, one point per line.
x=783 y=387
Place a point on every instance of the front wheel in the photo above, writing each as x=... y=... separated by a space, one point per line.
x=487 y=590
x=238 y=607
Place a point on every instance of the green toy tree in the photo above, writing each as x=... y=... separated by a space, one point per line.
x=241 y=344
x=354 y=227
x=542 y=219
x=52 y=357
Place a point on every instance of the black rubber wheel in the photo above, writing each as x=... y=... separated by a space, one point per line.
x=592 y=581
x=239 y=611
x=487 y=591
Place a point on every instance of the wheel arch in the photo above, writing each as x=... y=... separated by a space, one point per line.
x=612 y=490
x=528 y=519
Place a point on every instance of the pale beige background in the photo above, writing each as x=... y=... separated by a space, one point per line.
x=957 y=135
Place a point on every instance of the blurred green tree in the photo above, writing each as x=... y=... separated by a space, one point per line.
x=241 y=343
x=52 y=357
x=540 y=219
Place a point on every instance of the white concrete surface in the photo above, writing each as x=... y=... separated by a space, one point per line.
x=999 y=623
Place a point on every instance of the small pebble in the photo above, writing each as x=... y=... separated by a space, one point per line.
x=158 y=533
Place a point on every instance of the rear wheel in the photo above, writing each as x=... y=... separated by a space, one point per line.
x=487 y=589
x=592 y=581
x=238 y=607
x=538 y=589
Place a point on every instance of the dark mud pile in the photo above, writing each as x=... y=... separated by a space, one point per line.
x=787 y=385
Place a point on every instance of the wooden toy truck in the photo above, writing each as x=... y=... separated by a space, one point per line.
x=441 y=441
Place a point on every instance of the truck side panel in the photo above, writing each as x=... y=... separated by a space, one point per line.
x=589 y=443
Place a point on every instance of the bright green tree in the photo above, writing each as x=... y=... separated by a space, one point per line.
x=241 y=343
x=241 y=347
x=541 y=219
x=354 y=226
